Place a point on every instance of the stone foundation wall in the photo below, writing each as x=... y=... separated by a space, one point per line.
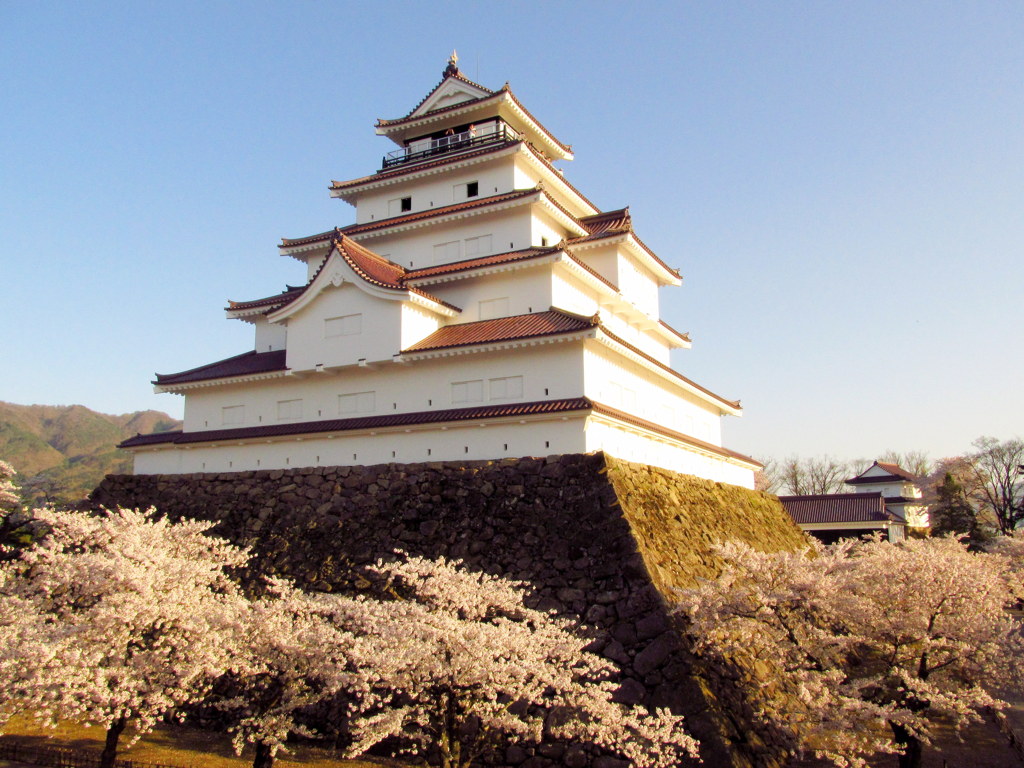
x=599 y=539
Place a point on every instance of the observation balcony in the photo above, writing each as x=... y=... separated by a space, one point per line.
x=429 y=148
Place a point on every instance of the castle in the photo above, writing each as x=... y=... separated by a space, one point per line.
x=480 y=307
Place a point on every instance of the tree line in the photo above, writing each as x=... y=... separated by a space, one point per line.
x=978 y=493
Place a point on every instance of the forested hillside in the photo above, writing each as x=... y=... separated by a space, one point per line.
x=61 y=452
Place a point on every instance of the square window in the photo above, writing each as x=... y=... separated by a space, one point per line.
x=406 y=204
x=473 y=189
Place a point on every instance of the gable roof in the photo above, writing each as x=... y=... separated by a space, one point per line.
x=373 y=269
x=450 y=75
x=893 y=473
x=836 y=508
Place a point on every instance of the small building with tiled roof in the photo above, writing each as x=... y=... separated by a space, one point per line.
x=479 y=307
x=833 y=516
x=900 y=488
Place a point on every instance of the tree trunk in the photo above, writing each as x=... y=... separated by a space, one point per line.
x=109 y=754
x=264 y=756
x=909 y=743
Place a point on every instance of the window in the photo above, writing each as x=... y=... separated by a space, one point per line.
x=494 y=308
x=232 y=414
x=346 y=325
x=399 y=205
x=357 y=402
x=465 y=191
x=506 y=388
x=468 y=391
x=478 y=246
x=289 y=409
x=447 y=252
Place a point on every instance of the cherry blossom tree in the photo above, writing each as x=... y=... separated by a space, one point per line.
x=840 y=640
x=10 y=498
x=126 y=617
x=462 y=666
x=293 y=655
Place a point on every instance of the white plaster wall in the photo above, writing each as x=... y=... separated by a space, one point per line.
x=619 y=383
x=270 y=336
x=417 y=324
x=379 y=339
x=630 y=446
x=909 y=490
x=549 y=371
x=510 y=230
x=546 y=232
x=437 y=191
x=527 y=290
x=637 y=284
x=456 y=443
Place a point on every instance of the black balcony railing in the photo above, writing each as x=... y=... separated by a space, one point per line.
x=445 y=144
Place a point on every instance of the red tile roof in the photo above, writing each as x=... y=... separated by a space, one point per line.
x=482 y=261
x=364 y=422
x=896 y=474
x=836 y=508
x=374 y=269
x=388 y=173
x=550 y=323
x=244 y=364
x=394 y=221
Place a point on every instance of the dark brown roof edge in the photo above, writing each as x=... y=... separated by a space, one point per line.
x=365 y=422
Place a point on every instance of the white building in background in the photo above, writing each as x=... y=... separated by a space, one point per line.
x=480 y=307
x=899 y=488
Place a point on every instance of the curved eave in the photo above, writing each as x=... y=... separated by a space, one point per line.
x=469 y=273
x=507 y=104
x=663 y=273
x=623 y=420
x=223 y=381
x=627 y=350
x=349 y=191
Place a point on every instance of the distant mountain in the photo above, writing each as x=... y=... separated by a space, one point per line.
x=61 y=452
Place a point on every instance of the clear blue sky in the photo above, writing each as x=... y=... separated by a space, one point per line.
x=841 y=184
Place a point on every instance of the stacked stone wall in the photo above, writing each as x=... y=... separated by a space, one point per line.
x=599 y=539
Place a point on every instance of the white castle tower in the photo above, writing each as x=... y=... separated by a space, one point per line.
x=480 y=307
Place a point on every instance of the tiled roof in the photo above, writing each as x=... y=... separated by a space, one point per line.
x=369 y=226
x=483 y=261
x=836 y=508
x=368 y=265
x=663 y=430
x=529 y=326
x=410 y=118
x=245 y=364
x=284 y=297
x=608 y=221
x=414 y=167
x=451 y=71
x=364 y=422
x=895 y=474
